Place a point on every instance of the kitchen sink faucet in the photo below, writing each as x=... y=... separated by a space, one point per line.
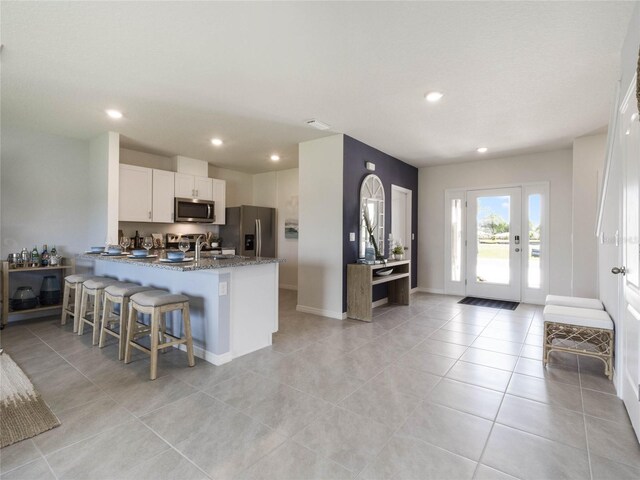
x=199 y=245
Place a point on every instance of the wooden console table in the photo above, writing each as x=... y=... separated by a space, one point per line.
x=61 y=270
x=360 y=281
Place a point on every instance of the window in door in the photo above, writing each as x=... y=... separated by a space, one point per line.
x=535 y=234
x=493 y=240
x=456 y=239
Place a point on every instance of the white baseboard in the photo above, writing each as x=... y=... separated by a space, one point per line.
x=322 y=312
x=438 y=291
x=288 y=287
x=208 y=356
x=414 y=290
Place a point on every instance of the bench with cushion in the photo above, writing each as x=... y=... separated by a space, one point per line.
x=582 y=331
x=577 y=302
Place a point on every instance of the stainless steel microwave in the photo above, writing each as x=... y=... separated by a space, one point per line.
x=194 y=210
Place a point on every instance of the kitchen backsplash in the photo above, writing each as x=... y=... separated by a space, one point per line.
x=129 y=228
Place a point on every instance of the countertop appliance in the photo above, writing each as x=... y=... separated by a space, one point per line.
x=252 y=229
x=194 y=210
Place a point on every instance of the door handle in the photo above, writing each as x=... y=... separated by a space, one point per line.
x=617 y=270
x=517 y=249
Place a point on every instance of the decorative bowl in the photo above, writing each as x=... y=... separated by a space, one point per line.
x=175 y=255
x=114 y=250
x=97 y=249
x=139 y=253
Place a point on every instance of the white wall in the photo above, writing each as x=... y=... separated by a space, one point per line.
x=588 y=162
x=320 y=243
x=239 y=185
x=280 y=190
x=103 y=180
x=46 y=195
x=554 y=167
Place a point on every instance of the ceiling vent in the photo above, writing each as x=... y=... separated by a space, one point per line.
x=318 y=124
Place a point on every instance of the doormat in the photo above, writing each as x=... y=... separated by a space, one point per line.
x=486 y=302
x=23 y=413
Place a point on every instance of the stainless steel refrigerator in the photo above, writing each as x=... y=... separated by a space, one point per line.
x=251 y=229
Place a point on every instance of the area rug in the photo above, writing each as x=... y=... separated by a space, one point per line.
x=486 y=302
x=23 y=413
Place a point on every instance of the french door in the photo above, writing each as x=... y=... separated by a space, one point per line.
x=629 y=132
x=494 y=243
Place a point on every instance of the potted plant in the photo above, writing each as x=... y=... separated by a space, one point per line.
x=398 y=251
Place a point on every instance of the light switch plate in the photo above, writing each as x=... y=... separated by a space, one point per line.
x=413 y=236
x=352 y=236
x=222 y=289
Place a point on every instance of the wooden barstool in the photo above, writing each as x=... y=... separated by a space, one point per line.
x=72 y=284
x=117 y=293
x=156 y=303
x=94 y=288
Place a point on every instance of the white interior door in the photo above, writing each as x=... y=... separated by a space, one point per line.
x=401 y=217
x=630 y=313
x=494 y=243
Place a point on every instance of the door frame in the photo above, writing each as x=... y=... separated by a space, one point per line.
x=408 y=237
x=527 y=295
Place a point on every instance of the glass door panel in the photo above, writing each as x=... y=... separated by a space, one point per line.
x=494 y=243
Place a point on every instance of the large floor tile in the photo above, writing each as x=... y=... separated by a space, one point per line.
x=107 y=455
x=480 y=375
x=381 y=401
x=555 y=372
x=548 y=421
x=453 y=337
x=350 y=439
x=605 y=469
x=279 y=406
x=467 y=398
x=64 y=387
x=35 y=470
x=463 y=327
x=426 y=362
x=409 y=458
x=82 y=422
x=324 y=382
x=546 y=391
x=595 y=381
x=293 y=461
x=17 y=455
x=604 y=405
x=452 y=430
x=168 y=465
x=487 y=473
x=408 y=380
x=445 y=349
x=495 y=345
x=531 y=351
x=489 y=359
x=612 y=440
x=528 y=456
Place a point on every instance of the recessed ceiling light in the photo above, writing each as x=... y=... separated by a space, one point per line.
x=114 y=113
x=482 y=150
x=275 y=157
x=216 y=141
x=433 y=96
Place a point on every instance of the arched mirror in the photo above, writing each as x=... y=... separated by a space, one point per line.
x=372 y=216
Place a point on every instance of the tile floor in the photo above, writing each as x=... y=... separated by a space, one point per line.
x=434 y=390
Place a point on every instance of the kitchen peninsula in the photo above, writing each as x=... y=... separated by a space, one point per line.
x=233 y=299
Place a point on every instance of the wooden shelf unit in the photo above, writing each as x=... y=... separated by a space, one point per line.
x=62 y=270
x=360 y=281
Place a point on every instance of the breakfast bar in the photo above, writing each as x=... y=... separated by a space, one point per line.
x=233 y=299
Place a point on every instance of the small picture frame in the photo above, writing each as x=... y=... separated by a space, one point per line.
x=158 y=240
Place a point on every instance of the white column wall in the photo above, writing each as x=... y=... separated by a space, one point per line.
x=320 y=222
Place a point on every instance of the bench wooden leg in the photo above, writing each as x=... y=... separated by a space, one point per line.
x=187 y=333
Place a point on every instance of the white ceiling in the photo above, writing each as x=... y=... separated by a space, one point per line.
x=517 y=76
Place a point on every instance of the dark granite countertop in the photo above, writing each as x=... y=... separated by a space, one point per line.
x=206 y=262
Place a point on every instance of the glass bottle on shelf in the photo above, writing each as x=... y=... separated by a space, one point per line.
x=35 y=257
x=44 y=256
x=53 y=257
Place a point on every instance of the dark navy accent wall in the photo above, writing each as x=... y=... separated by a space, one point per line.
x=392 y=172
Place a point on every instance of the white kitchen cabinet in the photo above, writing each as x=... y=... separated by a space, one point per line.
x=136 y=185
x=219 y=195
x=163 y=196
x=190 y=186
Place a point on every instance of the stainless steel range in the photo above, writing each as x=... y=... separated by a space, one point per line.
x=174 y=238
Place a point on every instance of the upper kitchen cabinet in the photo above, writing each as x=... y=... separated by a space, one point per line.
x=146 y=195
x=190 y=186
x=163 y=196
x=219 y=195
x=136 y=186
